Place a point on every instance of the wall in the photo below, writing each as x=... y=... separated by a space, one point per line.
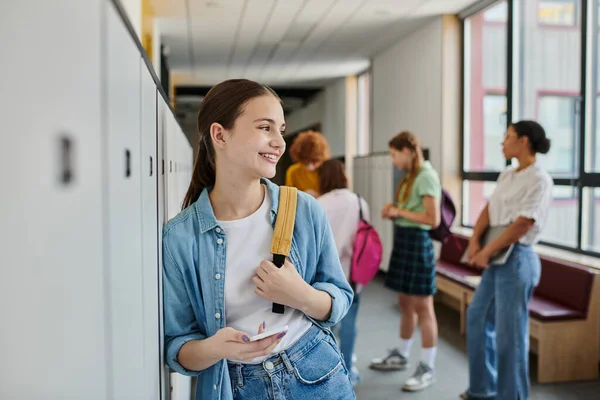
x=407 y=89
x=328 y=108
x=416 y=87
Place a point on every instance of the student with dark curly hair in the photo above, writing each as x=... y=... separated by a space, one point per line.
x=308 y=152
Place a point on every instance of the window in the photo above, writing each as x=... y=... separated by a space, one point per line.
x=557 y=114
x=562 y=225
x=544 y=63
x=484 y=91
x=557 y=12
x=497 y=13
x=475 y=197
x=364 y=114
x=494 y=129
x=591 y=231
x=593 y=144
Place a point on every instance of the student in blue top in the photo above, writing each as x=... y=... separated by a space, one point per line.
x=219 y=282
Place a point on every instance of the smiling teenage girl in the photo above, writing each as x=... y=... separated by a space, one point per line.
x=219 y=286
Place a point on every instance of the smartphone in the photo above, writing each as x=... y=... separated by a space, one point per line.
x=269 y=332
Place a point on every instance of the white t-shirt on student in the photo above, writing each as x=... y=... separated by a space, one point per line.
x=341 y=207
x=526 y=193
x=248 y=243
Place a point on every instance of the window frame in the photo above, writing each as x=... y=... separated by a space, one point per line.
x=589 y=118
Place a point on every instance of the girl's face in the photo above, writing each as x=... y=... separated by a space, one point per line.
x=401 y=158
x=513 y=145
x=253 y=147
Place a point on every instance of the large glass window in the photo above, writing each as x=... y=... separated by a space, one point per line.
x=485 y=89
x=557 y=114
x=549 y=84
x=541 y=52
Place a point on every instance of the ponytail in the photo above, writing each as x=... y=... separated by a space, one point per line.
x=204 y=174
x=399 y=142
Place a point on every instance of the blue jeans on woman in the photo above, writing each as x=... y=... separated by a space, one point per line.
x=312 y=368
x=498 y=328
x=347 y=334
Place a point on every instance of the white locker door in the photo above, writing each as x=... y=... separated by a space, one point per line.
x=150 y=271
x=164 y=370
x=124 y=208
x=51 y=245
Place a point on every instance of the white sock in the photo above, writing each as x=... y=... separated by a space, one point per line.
x=428 y=356
x=405 y=346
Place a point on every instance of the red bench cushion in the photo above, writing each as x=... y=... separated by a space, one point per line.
x=547 y=310
x=456 y=273
x=566 y=284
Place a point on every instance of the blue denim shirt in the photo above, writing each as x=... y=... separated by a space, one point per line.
x=194 y=249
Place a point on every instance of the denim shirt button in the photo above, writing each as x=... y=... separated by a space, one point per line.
x=219 y=241
x=215 y=387
x=218 y=316
x=218 y=276
x=218 y=230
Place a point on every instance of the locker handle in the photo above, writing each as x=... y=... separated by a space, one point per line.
x=127 y=163
x=66 y=149
x=170 y=166
x=163 y=166
x=151 y=166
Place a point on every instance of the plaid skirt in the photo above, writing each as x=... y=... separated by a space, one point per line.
x=412 y=264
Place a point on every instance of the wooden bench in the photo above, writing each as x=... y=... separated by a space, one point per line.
x=564 y=312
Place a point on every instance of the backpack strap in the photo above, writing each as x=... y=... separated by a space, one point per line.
x=284 y=229
x=360 y=208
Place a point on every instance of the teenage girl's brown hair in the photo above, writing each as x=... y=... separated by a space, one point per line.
x=332 y=176
x=223 y=104
x=406 y=140
x=310 y=147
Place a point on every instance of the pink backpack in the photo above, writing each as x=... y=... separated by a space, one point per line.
x=367 y=252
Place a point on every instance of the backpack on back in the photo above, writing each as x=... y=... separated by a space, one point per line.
x=447 y=215
x=367 y=252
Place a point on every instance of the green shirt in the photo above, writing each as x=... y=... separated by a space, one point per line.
x=427 y=183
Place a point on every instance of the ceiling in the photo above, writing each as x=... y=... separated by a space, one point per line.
x=284 y=42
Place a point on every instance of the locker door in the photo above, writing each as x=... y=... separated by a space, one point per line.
x=51 y=244
x=164 y=370
x=150 y=269
x=124 y=229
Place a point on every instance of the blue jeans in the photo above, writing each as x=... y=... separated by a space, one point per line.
x=311 y=369
x=498 y=328
x=347 y=332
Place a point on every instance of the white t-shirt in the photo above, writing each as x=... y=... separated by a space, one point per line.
x=341 y=207
x=248 y=243
x=527 y=193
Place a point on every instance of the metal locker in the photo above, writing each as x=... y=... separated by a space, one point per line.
x=51 y=276
x=124 y=225
x=161 y=158
x=150 y=271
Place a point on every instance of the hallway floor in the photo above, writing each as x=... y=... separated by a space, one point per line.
x=378 y=323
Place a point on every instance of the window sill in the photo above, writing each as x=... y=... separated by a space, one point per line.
x=565 y=255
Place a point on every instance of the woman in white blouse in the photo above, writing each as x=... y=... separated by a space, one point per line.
x=498 y=317
x=341 y=206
